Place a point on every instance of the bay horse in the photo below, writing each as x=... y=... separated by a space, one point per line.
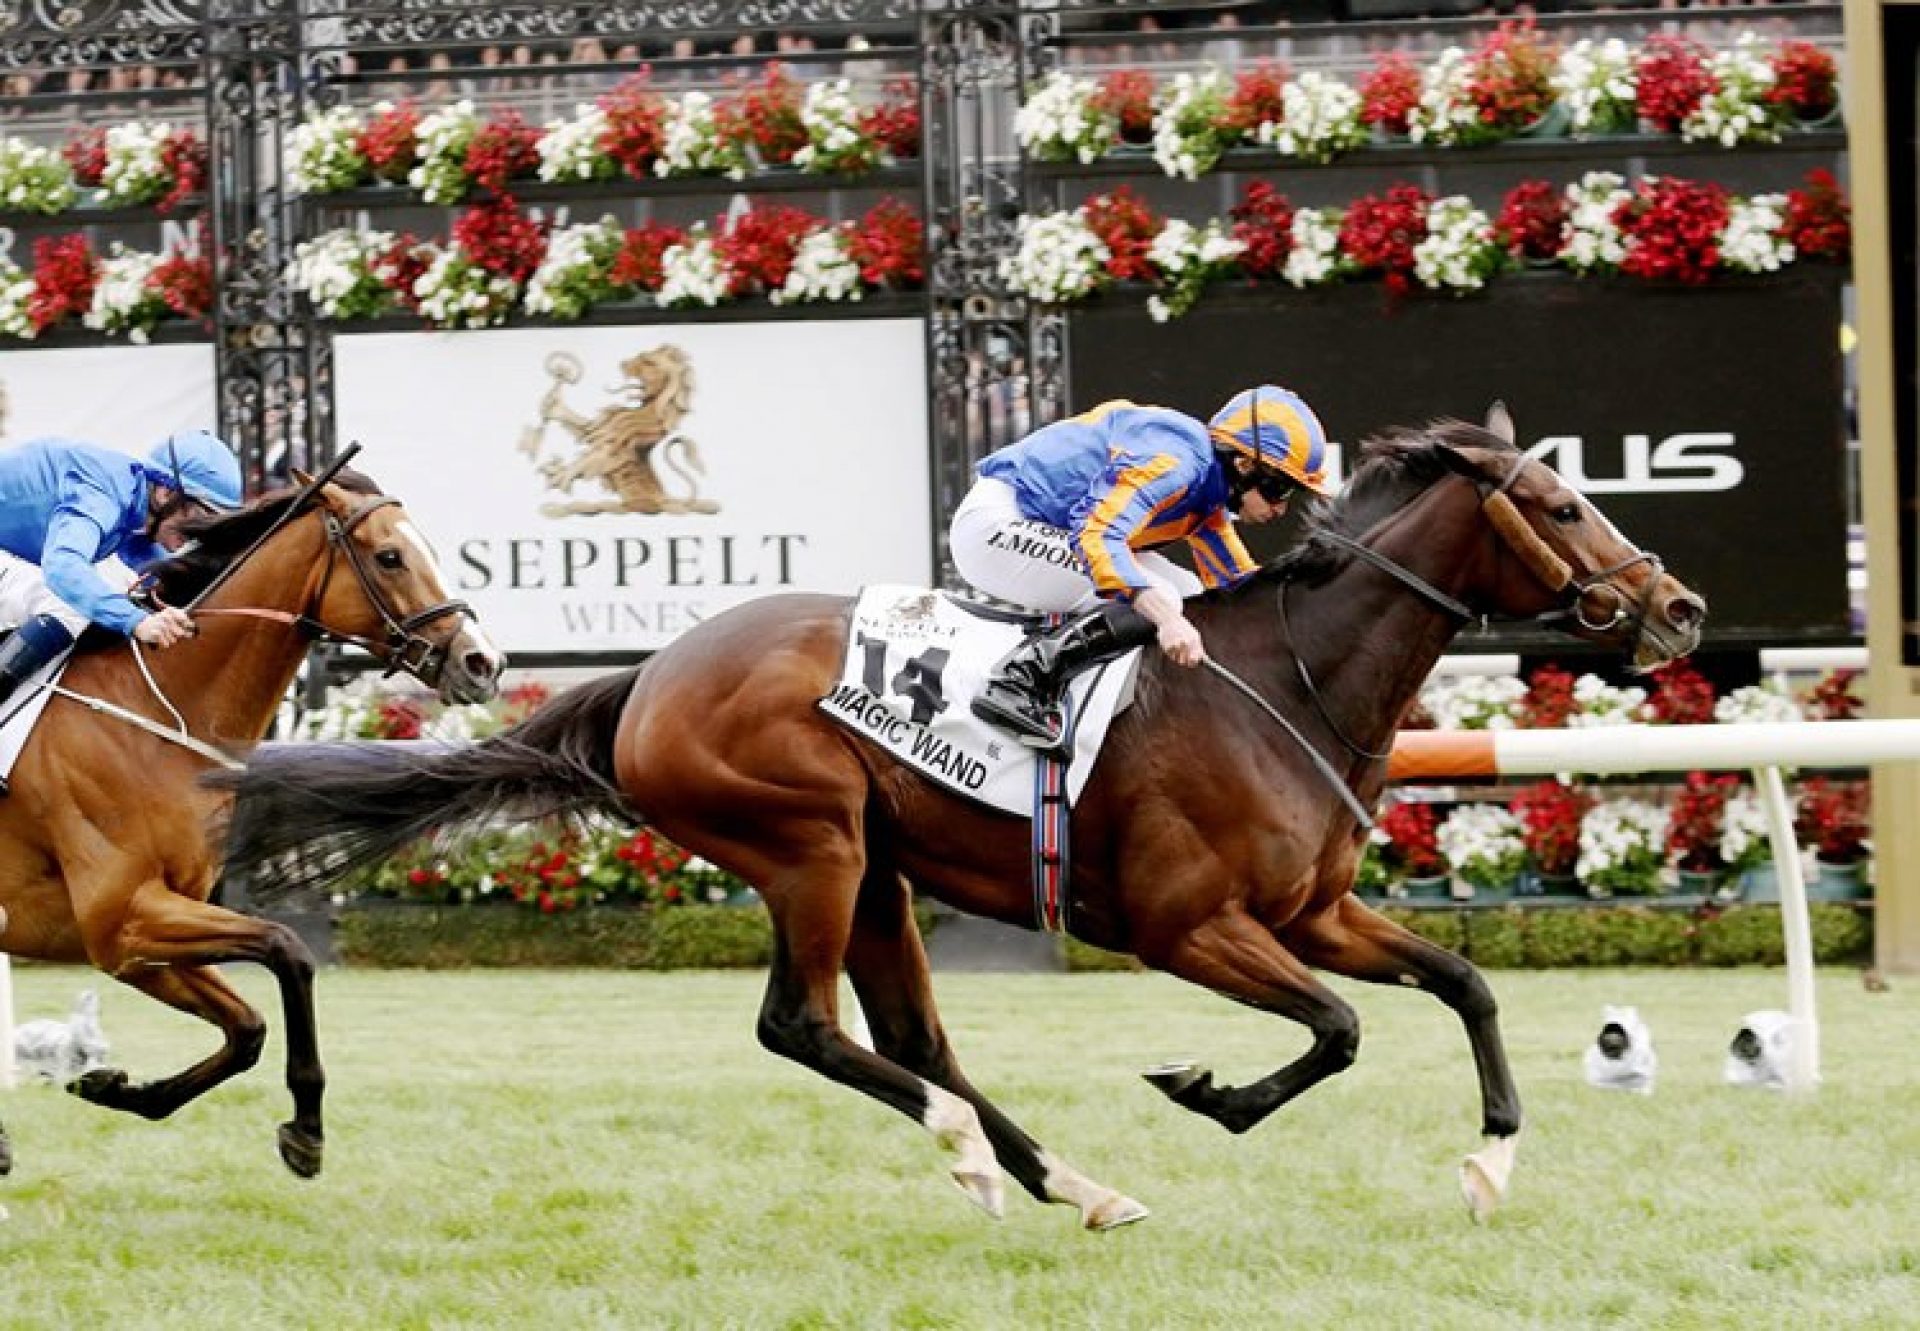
x=1208 y=846
x=104 y=856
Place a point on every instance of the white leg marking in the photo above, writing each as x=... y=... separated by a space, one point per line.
x=956 y=1126
x=1100 y=1206
x=1484 y=1175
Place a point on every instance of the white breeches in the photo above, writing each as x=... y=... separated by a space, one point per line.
x=24 y=593
x=1012 y=557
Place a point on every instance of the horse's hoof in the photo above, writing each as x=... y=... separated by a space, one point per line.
x=1114 y=1212
x=301 y=1150
x=1177 y=1081
x=102 y=1086
x=985 y=1188
x=1484 y=1176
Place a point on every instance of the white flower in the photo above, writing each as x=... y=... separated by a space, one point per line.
x=323 y=152
x=834 y=141
x=1320 y=119
x=33 y=179
x=1755 y=703
x=1598 y=703
x=1315 y=256
x=823 y=269
x=16 y=289
x=122 y=299
x=335 y=270
x=1187 y=138
x=136 y=170
x=1736 y=111
x=1061 y=120
x=1445 y=112
x=1622 y=845
x=691 y=143
x=694 y=272
x=1059 y=258
x=456 y=292
x=1745 y=838
x=1459 y=252
x=1594 y=242
x=442 y=139
x=1482 y=843
x=1598 y=83
x=1752 y=242
x=1473 y=702
x=1187 y=257
x=570 y=149
x=573 y=276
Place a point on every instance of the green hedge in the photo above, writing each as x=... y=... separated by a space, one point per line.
x=722 y=937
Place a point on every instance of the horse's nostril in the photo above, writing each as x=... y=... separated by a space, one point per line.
x=479 y=665
x=1684 y=612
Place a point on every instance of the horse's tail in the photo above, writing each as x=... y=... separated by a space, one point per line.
x=306 y=814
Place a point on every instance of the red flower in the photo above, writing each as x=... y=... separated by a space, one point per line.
x=402 y=265
x=399 y=718
x=1832 y=698
x=184 y=157
x=764 y=115
x=1510 y=76
x=185 y=282
x=1805 y=80
x=1550 y=815
x=1379 y=234
x=895 y=122
x=86 y=153
x=638 y=266
x=636 y=125
x=1389 y=91
x=1127 y=227
x=1833 y=816
x=1413 y=839
x=64 y=272
x=504 y=149
x=890 y=244
x=1682 y=696
x=1263 y=222
x=1549 y=701
x=758 y=247
x=390 y=142
x=1672 y=229
x=1819 y=221
x=1533 y=220
x=1127 y=95
x=1698 y=817
x=1673 y=79
x=501 y=239
x=1257 y=97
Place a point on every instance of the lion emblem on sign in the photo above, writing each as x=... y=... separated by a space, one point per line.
x=618 y=448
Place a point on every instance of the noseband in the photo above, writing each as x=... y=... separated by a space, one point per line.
x=404 y=647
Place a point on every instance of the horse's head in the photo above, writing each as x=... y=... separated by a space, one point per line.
x=381 y=589
x=1560 y=561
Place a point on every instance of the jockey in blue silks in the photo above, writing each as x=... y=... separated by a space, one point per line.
x=65 y=506
x=1066 y=520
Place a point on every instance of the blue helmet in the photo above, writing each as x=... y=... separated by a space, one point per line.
x=198 y=465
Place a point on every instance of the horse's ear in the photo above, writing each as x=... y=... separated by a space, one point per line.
x=1500 y=422
x=301 y=478
x=1468 y=462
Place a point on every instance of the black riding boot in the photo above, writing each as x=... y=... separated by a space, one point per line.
x=1023 y=693
x=32 y=645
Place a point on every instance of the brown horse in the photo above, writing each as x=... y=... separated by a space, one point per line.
x=1209 y=847
x=103 y=857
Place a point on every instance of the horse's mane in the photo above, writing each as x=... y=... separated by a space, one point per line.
x=1393 y=467
x=214 y=542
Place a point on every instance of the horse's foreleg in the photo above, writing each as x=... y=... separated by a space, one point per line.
x=1356 y=941
x=799 y=1019
x=163 y=930
x=200 y=993
x=1234 y=955
x=888 y=967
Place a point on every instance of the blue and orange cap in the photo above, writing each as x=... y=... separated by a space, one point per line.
x=1278 y=430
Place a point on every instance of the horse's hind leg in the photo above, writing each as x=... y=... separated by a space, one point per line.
x=1354 y=940
x=164 y=934
x=799 y=1019
x=888 y=967
x=1235 y=955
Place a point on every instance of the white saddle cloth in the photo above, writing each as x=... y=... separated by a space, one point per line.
x=21 y=712
x=916 y=658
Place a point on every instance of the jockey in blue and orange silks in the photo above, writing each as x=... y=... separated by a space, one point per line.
x=1066 y=520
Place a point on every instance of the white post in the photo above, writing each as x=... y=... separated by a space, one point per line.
x=6 y=1018
x=1804 y=1072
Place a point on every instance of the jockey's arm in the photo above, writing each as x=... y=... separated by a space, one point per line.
x=1105 y=536
x=1220 y=557
x=74 y=541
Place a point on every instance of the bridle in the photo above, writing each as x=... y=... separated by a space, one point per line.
x=1515 y=535
x=401 y=645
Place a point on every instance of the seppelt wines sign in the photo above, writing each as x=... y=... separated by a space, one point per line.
x=1707 y=423
x=605 y=489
